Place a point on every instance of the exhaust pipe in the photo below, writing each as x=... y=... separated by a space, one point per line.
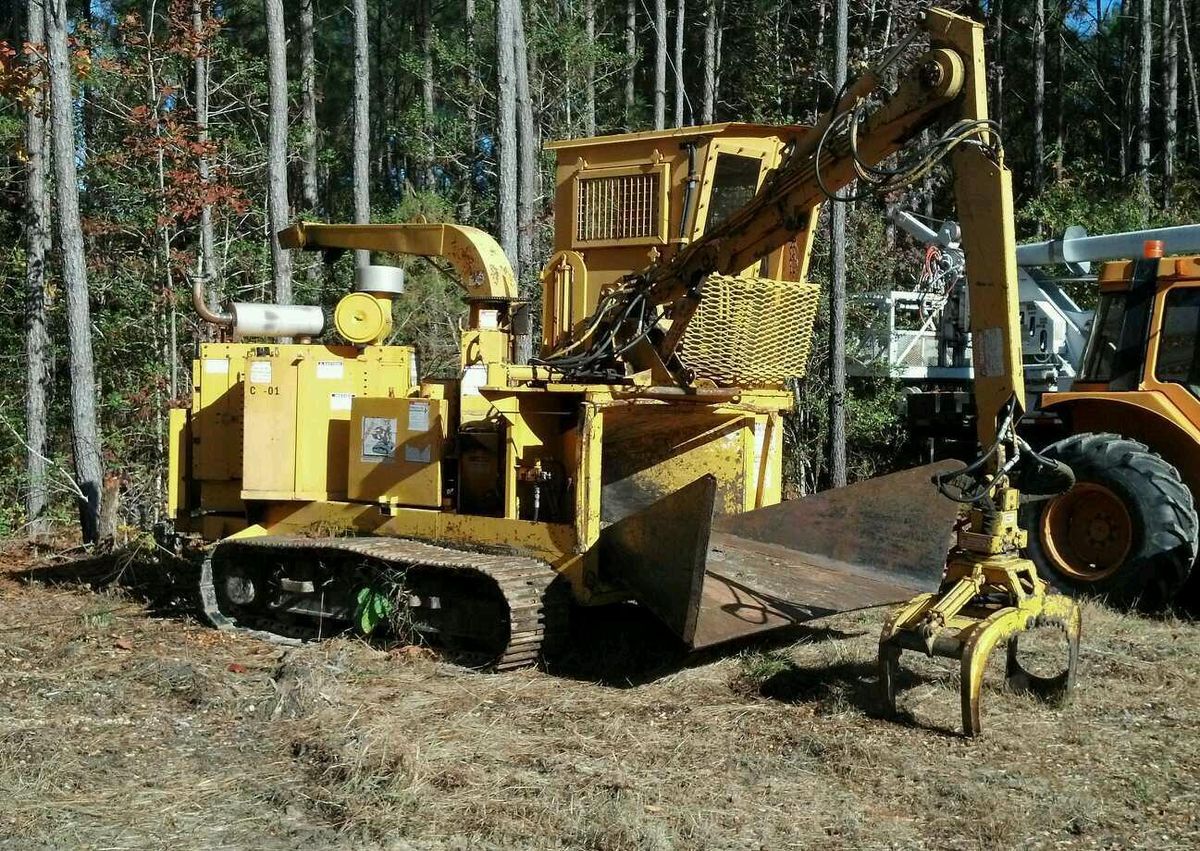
x=200 y=304
x=248 y=319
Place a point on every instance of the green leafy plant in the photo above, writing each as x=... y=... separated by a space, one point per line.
x=374 y=607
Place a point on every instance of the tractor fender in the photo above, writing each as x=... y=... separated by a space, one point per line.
x=1142 y=416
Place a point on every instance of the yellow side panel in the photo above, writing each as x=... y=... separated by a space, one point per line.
x=326 y=387
x=650 y=452
x=269 y=443
x=395 y=451
x=178 y=438
x=217 y=411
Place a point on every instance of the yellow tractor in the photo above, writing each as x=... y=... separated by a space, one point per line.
x=1127 y=530
x=638 y=455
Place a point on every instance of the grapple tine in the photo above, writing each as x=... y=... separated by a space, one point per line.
x=961 y=622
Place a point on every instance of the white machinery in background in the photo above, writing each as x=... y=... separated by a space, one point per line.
x=921 y=336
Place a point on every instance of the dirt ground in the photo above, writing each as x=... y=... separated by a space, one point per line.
x=125 y=724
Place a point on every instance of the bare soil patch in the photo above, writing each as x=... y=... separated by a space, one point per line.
x=125 y=724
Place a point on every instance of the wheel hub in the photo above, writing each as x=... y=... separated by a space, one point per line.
x=1087 y=532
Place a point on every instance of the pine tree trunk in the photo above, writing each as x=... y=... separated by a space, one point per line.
x=1060 y=88
x=277 y=151
x=1193 y=84
x=660 y=64
x=1039 y=94
x=679 y=24
x=466 y=205
x=361 y=178
x=1145 y=56
x=206 y=260
x=589 y=94
x=837 y=290
x=506 y=128
x=38 y=352
x=631 y=58
x=84 y=430
x=997 y=98
x=527 y=153
x=308 y=111
x=1170 y=99
x=710 y=61
x=425 y=23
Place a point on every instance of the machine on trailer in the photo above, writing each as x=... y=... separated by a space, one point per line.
x=639 y=455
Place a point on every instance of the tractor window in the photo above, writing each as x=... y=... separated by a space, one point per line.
x=1178 y=354
x=1102 y=347
x=1116 y=349
x=735 y=180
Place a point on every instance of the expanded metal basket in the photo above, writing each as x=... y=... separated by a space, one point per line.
x=751 y=332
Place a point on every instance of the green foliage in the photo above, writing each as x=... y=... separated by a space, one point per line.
x=372 y=609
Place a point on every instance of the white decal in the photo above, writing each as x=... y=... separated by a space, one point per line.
x=418 y=416
x=260 y=372
x=378 y=439
x=334 y=369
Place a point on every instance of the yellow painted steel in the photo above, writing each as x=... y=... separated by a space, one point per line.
x=482 y=267
x=364 y=318
x=685 y=160
x=396 y=449
x=280 y=431
x=178 y=438
x=298 y=400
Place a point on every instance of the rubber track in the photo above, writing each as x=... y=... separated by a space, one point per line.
x=525 y=584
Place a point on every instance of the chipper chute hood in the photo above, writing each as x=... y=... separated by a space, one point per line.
x=714 y=579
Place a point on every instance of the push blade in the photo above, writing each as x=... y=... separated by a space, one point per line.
x=713 y=580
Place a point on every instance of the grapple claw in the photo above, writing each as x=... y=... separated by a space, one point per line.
x=982 y=605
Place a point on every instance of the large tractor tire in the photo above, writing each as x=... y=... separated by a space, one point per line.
x=1127 y=531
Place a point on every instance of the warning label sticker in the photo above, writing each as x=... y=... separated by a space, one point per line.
x=418 y=416
x=378 y=439
x=333 y=369
x=260 y=372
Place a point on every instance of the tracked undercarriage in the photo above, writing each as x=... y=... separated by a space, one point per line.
x=494 y=611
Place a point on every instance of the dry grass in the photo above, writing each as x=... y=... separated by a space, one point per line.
x=124 y=729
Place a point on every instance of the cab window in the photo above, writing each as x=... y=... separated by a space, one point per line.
x=735 y=180
x=1178 y=356
x=1100 y=357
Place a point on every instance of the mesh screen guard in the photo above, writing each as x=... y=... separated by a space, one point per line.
x=750 y=331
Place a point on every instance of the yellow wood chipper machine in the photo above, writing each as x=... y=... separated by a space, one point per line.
x=638 y=455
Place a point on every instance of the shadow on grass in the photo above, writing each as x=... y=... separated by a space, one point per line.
x=624 y=645
x=167 y=585
x=834 y=687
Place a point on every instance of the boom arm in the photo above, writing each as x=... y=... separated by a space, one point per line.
x=946 y=84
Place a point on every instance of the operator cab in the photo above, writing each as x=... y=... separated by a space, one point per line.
x=626 y=201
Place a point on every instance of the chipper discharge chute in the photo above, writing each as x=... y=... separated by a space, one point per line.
x=639 y=455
